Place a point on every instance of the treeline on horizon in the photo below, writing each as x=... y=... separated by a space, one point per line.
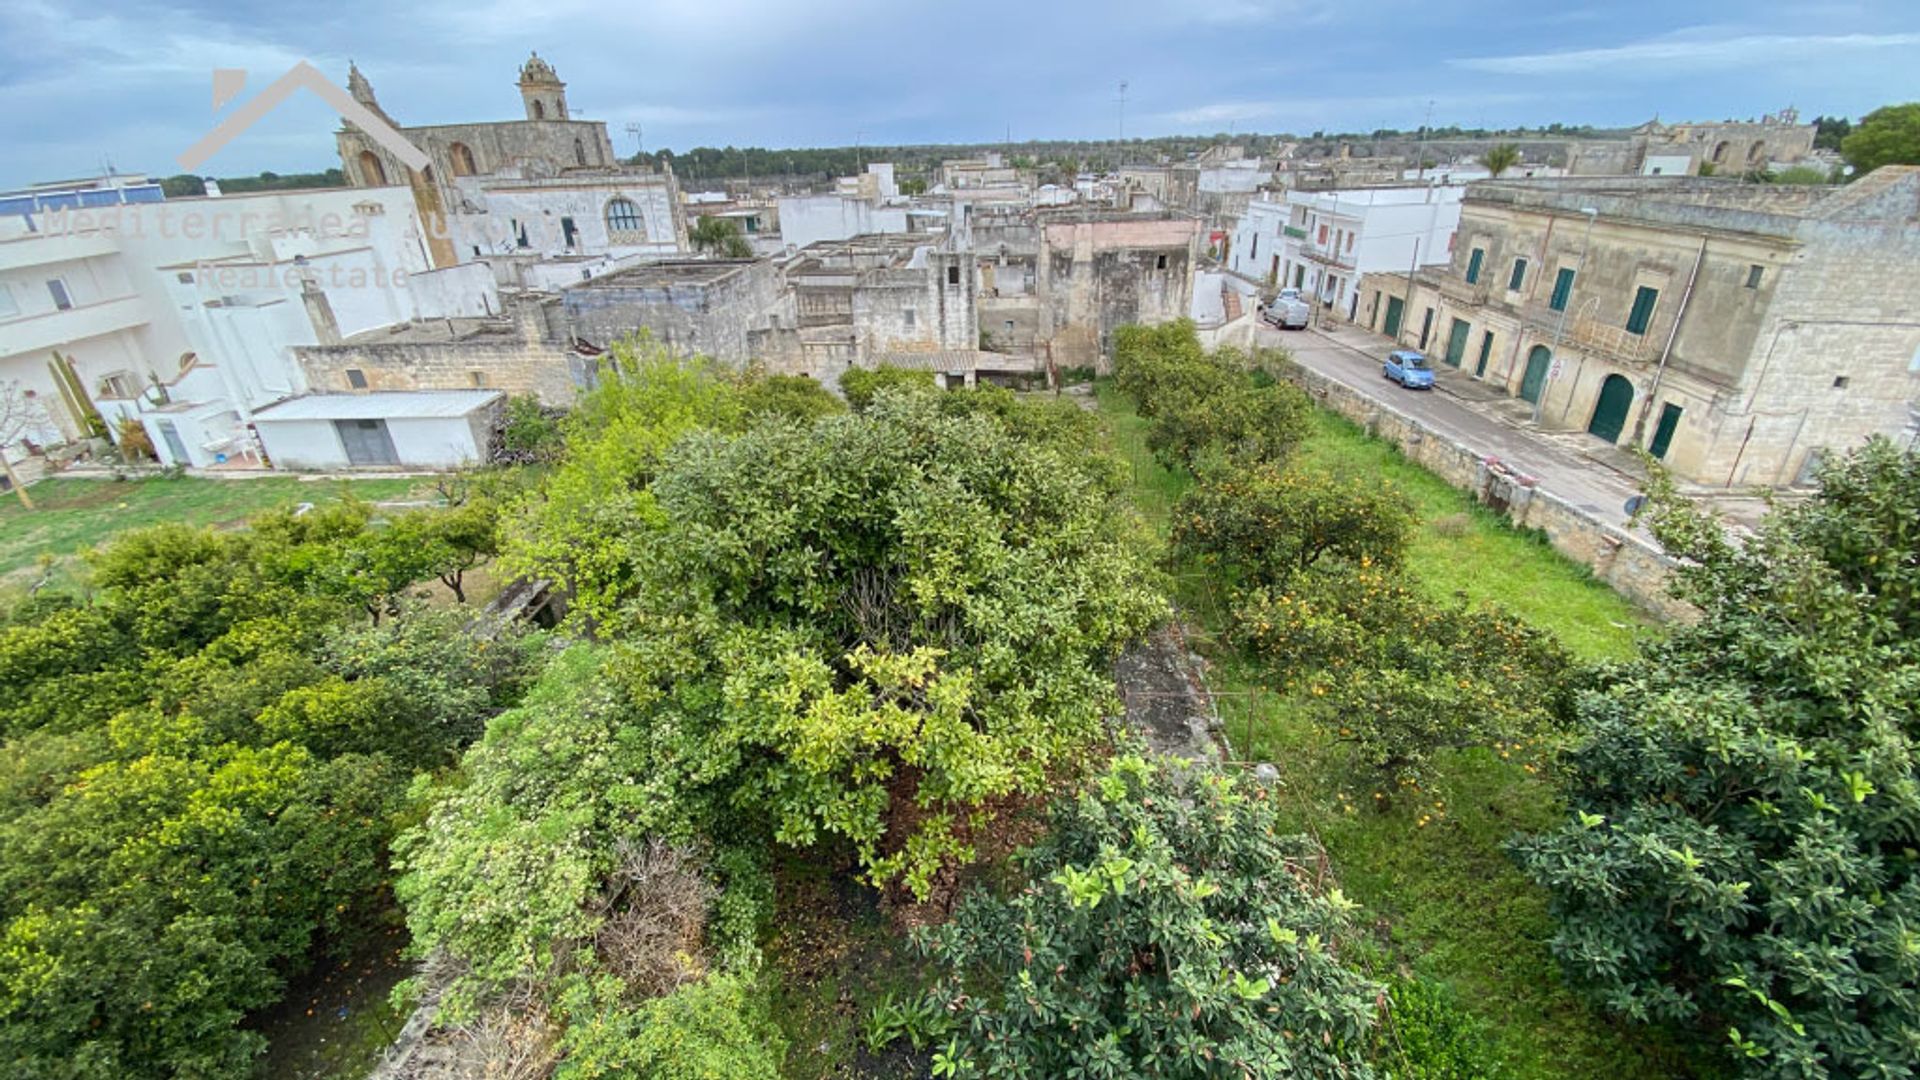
x=1056 y=159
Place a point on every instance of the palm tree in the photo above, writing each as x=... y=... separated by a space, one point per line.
x=1501 y=158
x=720 y=234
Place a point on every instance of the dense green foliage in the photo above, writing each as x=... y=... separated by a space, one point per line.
x=714 y=1029
x=1889 y=135
x=203 y=764
x=187 y=185
x=1745 y=800
x=862 y=385
x=1219 y=404
x=894 y=605
x=1264 y=524
x=1170 y=931
x=1403 y=677
x=720 y=236
x=795 y=397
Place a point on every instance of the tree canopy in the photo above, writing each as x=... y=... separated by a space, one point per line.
x=1741 y=852
x=1889 y=135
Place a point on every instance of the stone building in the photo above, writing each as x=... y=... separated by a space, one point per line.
x=1099 y=270
x=1729 y=148
x=548 y=183
x=736 y=311
x=1738 y=332
x=866 y=300
x=521 y=351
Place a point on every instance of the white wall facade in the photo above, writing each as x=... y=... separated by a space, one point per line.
x=809 y=219
x=1339 y=235
x=538 y=211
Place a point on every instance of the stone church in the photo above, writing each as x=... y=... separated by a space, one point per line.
x=544 y=187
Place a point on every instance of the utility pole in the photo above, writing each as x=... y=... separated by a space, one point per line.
x=1560 y=324
x=1420 y=148
x=1123 y=121
x=1412 y=269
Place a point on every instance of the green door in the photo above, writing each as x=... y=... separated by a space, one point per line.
x=1395 y=308
x=1610 y=412
x=1486 y=347
x=1457 y=341
x=1663 y=435
x=1538 y=360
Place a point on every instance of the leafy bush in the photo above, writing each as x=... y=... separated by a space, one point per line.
x=891 y=615
x=1170 y=931
x=795 y=397
x=531 y=432
x=1402 y=677
x=1201 y=404
x=215 y=797
x=585 y=528
x=1741 y=853
x=716 y=1029
x=862 y=385
x=503 y=874
x=1265 y=524
x=1433 y=1038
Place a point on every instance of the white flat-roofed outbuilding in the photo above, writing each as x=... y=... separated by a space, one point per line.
x=426 y=429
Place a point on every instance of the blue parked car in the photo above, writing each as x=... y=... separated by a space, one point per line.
x=1410 y=369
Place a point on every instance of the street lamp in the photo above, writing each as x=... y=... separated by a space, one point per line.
x=1560 y=324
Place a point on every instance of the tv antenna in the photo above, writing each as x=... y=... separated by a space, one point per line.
x=638 y=147
x=1123 y=111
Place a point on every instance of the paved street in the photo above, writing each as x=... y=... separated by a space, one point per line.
x=1464 y=411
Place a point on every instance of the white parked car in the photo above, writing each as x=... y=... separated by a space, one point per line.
x=1287 y=311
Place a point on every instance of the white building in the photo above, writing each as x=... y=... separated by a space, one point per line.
x=810 y=219
x=74 y=327
x=1320 y=242
x=426 y=429
x=181 y=314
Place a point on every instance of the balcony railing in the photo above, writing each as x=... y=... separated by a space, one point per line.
x=1583 y=330
x=52 y=329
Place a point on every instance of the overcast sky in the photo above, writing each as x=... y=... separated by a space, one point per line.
x=130 y=82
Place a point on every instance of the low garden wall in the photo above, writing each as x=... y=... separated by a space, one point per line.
x=1633 y=566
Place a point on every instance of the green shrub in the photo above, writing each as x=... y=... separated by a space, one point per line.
x=1402 y=677
x=862 y=385
x=1264 y=524
x=1745 y=801
x=794 y=397
x=1433 y=1038
x=716 y=1029
x=1170 y=930
x=530 y=431
x=894 y=605
x=1206 y=405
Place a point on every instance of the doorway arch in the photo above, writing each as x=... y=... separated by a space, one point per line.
x=1539 y=359
x=1610 y=412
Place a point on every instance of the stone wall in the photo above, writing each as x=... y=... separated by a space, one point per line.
x=552 y=372
x=1633 y=566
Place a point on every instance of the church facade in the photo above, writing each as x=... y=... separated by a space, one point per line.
x=545 y=185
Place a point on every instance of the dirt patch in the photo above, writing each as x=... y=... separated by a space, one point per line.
x=1166 y=696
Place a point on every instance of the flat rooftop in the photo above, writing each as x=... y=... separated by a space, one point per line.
x=661 y=274
x=381 y=405
x=427 y=331
x=1888 y=194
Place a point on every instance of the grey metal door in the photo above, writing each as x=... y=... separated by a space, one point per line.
x=176 y=446
x=367 y=442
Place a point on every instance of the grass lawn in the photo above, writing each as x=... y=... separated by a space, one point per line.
x=74 y=515
x=1442 y=898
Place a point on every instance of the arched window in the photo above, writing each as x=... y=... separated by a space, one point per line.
x=372 y=173
x=623 y=220
x=539 y=109
x=1758 y=154
x=579 y=152
x=1719 y=152
x=462 y=156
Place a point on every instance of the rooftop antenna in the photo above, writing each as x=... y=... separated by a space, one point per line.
x=638 y=146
